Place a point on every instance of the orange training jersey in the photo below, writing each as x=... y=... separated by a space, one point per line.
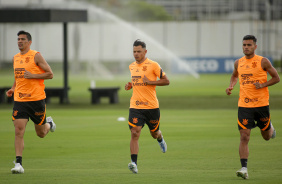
x=27 y=89
x=144 y=96
x=250 y=71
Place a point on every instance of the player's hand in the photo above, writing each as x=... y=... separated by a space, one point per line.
x=128 y=86
x=27 y=75
x=258 y=85
x=10 y=92
x=145 y=80
x=228 y=90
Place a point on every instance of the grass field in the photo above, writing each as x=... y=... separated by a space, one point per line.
x=90 y=146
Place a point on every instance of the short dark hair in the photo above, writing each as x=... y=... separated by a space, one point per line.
x=25 y=33
x=139 y=42
x=250 y=37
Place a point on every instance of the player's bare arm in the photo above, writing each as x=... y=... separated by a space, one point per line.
x=267 y=66
x=164 y=81
x=10 y=92
x=41 y=62
x=234 y=79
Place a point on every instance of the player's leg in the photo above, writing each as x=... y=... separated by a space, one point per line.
x=245 y=124
x=158 y=135
x=42 y=130
x=153 y=122
x=244 y=140
x=37 y=113
x=136 y=123
x=244 y=152
x=270 y=133
x=20 y=125
x=264 y=123
x=134 y=148
x=135 y=134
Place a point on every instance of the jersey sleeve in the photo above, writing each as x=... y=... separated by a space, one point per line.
x=158 y=70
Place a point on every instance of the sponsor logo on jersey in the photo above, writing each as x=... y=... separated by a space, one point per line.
x=137 y=102
x=247 y=100
x=23 y=95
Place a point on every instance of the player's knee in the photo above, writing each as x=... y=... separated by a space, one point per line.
x=19 y=132
x=41 y=134
x=135 y=133
x=154 y=135
x=266 y=137
x=245 y=138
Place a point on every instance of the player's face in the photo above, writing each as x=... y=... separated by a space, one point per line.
x=139 y=53
x=249 y=47
x=23 y=42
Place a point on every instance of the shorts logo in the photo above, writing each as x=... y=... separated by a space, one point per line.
x=154 y=121
x=264 y=119
x=39 y=113
x=15 y=113
x=245 y=121
x=134 y=120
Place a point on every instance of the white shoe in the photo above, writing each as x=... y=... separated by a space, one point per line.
x=18 y=169
x=243 y=172
x=274 y=132
x=133 y=167
x=163 y=145
x=49 y=119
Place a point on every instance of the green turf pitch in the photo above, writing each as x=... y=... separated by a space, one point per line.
x=90 y=146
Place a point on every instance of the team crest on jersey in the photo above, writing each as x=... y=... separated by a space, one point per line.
x=254 y=64
x=27 y=59
x=21 y=62
x=144 y=68
x=245 y=121
x=247 y=66
x=15 y=113
x=137 y=70
x=134 y=120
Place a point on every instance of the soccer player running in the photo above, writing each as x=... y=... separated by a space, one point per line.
x=253 y=101
x=30 y=70
x=144 y=105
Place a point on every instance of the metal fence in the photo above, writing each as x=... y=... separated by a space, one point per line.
x=222 y=9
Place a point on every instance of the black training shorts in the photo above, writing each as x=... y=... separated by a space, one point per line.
x=35 y=110
x=140 y=117
x=248 y=116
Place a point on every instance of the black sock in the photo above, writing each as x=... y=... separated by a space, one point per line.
x=160 y=140
x=19 y=159
x=51 y=125
x=134 y=158
x=244 y=162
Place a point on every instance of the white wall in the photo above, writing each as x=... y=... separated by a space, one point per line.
x=113 y=42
